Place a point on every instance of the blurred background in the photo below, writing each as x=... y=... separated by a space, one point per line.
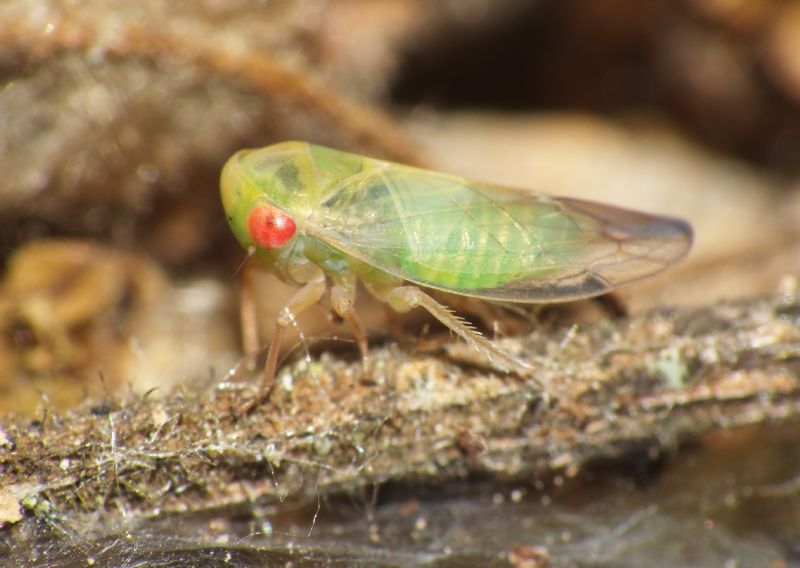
x=116 y=120
x=119 y=271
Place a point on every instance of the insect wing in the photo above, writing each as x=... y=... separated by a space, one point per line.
x=476 y=239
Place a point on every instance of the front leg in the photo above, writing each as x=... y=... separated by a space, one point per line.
x=304 y=298
x=248 y=311
x=301 y=300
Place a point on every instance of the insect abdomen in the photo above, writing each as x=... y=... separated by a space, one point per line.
x=477 y=248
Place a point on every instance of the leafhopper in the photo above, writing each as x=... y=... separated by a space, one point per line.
x=322 y=220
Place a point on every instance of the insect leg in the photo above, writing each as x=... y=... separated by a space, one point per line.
x=248 y=312
x=403 y=298
x=343 y=295
x=301 y=300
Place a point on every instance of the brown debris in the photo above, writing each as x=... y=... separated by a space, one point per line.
x=165 y=96
x=67 y=311
x=80 y=321
x=783 y=50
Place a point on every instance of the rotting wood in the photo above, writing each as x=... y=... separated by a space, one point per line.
x=617 y=385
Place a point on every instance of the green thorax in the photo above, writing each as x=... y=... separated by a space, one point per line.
x=295 y=177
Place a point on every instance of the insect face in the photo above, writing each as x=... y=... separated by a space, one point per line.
x=269 y=227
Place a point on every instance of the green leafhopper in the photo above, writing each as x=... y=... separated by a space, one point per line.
x=322 y=219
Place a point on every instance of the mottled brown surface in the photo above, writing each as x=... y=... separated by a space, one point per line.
x=614 y=388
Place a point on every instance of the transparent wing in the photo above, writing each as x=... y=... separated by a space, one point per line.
x=491 y=242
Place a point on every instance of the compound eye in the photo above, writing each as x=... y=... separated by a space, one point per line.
x=270 y=227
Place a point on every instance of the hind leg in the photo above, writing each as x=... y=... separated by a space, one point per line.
x=404 y=298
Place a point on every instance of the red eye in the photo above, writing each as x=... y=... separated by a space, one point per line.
x=270 y=227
